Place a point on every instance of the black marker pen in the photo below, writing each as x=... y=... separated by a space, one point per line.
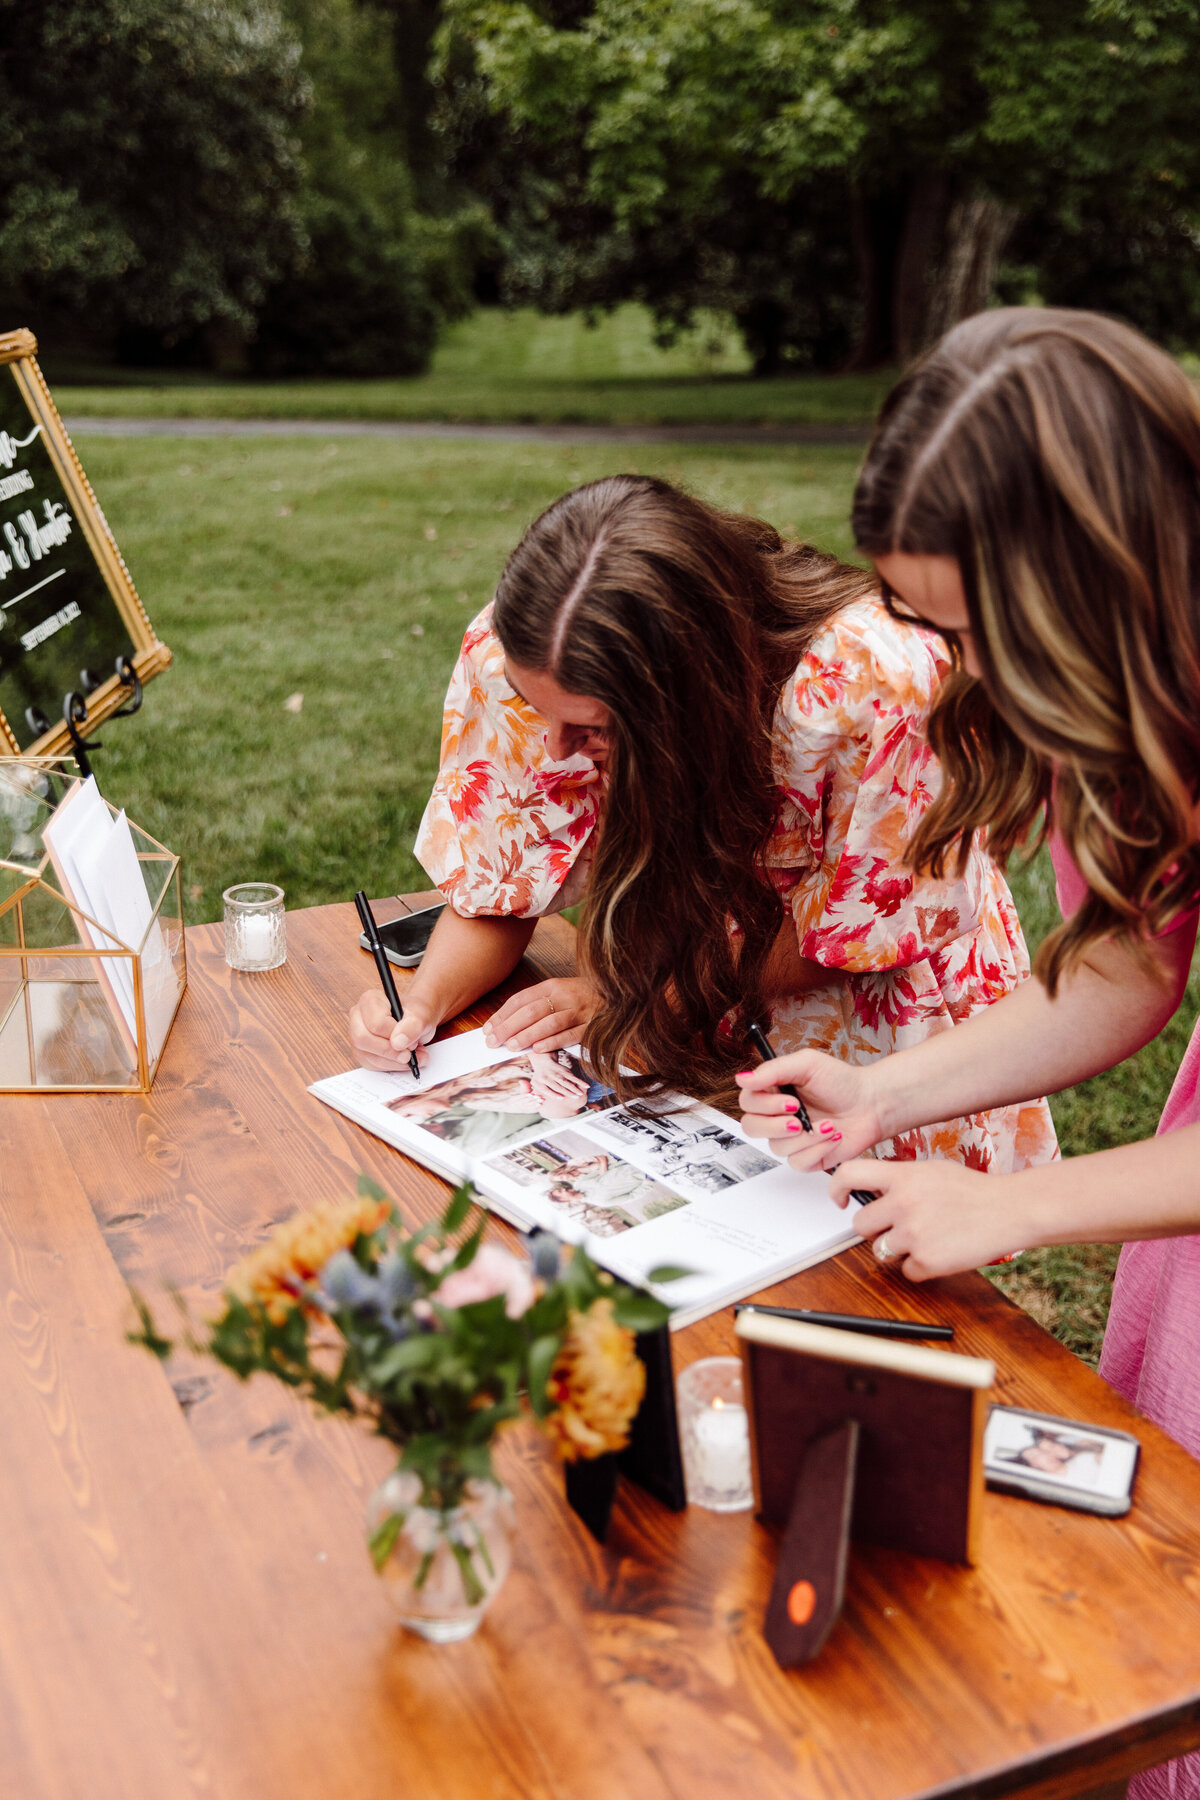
x=385 y=971
x=762 y=1044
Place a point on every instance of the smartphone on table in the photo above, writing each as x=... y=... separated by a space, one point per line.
x=405 y=939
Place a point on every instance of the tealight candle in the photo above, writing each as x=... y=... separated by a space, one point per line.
x=255 y=932
x=723 y=1446
x=715 y=1435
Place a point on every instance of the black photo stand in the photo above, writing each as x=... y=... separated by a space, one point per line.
x=652 y=1458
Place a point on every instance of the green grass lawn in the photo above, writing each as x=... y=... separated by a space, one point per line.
x=511 y=366
x=345 y=573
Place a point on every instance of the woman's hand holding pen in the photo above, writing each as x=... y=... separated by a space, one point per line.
x=381 y=1042
x=843 y=1103
x=928 y=1218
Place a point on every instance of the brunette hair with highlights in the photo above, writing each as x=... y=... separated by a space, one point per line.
x=1056 y=457
x=685 y=622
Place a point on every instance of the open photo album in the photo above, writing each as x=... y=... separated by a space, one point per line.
x=642 y=1185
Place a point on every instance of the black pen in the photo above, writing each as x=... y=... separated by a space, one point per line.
x=385 y=971
x=762 y=1044
x=884 y=1328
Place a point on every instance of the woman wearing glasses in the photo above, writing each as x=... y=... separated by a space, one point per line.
x=716 y=741
x=1034 y=489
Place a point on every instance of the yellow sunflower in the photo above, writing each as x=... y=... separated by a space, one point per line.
x=597 y=1381
x=297 y=1251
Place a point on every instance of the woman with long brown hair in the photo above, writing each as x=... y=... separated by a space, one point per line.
x=716 y=741
x=1033 y=493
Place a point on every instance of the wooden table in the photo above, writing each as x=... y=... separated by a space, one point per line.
x=187 y=1609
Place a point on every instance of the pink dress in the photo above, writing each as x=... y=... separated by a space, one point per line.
x=1151 y=1349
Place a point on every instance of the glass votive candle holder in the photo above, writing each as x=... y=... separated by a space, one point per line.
x=255 y=931
x=714 y=1431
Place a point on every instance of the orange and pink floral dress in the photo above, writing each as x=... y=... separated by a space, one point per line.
x=509 y=831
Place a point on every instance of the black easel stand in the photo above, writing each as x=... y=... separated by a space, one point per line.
x=810 y=1576
x=652 y=1458
x=75 y=709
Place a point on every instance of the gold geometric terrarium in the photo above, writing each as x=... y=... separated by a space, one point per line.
x=82 y=1008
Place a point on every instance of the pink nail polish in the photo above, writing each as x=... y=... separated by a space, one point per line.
x=826 y=1128
x=743 y=1074
x=791 y=1127
x=791 y=1106
x=835 y=1137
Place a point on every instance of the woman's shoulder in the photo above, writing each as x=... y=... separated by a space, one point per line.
x=482 y=650
x=864 y=660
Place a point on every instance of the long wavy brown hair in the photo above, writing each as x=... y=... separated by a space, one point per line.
x=685 y=622
x=1056 y=456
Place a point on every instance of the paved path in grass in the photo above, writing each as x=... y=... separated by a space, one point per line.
x=521 y=434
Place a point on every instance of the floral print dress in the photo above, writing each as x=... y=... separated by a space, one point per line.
x=508 y=831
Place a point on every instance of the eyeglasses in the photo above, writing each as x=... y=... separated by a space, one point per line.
x=899 y=609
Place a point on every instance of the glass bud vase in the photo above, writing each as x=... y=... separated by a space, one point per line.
x=441 y=1569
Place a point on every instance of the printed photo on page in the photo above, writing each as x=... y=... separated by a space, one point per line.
x=694 y=1149
x=486 y=1109
x=585 y=1184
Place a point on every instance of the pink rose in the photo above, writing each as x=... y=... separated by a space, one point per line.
x=493 y=1271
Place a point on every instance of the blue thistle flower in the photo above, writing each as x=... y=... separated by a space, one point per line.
x=544 y=1254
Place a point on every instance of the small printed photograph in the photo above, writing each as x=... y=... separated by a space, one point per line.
x=705 y=1154
x=1068 y=1455
x=583 y=1182
x=488 y=1108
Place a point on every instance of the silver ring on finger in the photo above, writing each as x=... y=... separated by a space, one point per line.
x=882 y=1249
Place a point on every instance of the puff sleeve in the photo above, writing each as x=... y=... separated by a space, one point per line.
x=507 y=830
x=856 y=775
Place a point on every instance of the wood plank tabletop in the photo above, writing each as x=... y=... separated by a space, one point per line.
x=187 y=1608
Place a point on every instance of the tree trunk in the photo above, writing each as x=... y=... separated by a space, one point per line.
x=925 y=260
x=976 y=233
x=875 y=223
x=762 y=326
x=920 y=242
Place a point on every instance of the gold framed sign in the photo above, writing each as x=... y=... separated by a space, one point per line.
x=71 y=622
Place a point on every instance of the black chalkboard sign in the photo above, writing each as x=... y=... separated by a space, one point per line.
x=70 y=617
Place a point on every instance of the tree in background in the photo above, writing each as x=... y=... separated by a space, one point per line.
x=150 y=164
x=219 y=181
x=380 y=275
x=843 y=176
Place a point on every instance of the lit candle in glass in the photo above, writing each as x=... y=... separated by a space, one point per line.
x=723 y=1446
x=715 y=1435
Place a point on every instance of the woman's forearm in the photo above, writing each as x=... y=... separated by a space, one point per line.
x=466 y=958
x=1145 y=1190
x=1026 y=1044
x=935 y=1218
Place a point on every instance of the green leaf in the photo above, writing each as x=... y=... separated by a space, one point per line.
x=542 y=1353
x=668 y=1272
x=469 y=1246
x=457 y=1208
x=382 y=1540
x=369 y=1190
x=640 y=1312
x=148 y=1337
x=413 y=1353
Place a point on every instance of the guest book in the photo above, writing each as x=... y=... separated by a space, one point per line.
x=643 y=1185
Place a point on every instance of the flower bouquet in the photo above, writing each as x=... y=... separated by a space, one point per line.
x=437 y=1340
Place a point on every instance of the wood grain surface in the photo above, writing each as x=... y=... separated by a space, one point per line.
x=187 y=1609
